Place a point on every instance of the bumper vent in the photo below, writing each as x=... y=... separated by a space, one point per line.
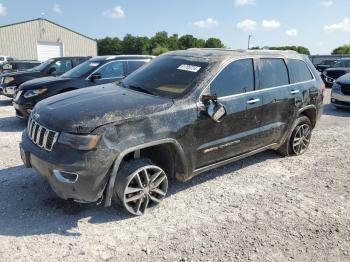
x=345 y=89
x=41 y=136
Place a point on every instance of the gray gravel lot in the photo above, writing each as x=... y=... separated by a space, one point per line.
x=263 y=208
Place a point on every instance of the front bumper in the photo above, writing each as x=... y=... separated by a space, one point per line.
x=22 y=111
x=9 y=91
x=78 y=175
x=340 y=99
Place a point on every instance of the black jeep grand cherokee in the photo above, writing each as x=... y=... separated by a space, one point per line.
x=182 y=114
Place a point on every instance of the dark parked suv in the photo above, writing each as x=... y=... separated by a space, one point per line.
x=182 y=114
x=96 y=71
x=339 y=69
x=9 y=82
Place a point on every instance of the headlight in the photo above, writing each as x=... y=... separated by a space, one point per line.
x=8 y=79
x=336 y=86
x=34 y=92
x=80 y=142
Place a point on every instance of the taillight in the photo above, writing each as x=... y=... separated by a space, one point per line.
x=323 y=89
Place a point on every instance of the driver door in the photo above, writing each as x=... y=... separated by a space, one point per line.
x=234 y=88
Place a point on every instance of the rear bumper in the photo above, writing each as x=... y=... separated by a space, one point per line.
x=71 y=176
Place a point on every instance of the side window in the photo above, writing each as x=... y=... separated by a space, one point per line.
x=133 y=65
x=236 y=78
x=60 y=66
x=112 y=70
x=346 y=63
x=273 y=72
x=298 y=71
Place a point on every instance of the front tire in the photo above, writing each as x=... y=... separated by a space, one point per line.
x=140 y=185
x=299 y=140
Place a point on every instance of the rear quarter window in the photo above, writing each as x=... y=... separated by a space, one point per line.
x=299 y=71
x=273 y=72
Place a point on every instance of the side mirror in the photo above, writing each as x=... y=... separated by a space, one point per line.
x=95 y=76
x=216 y=111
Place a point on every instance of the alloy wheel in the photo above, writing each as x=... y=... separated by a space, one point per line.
x=301 y=140
x=146 y=187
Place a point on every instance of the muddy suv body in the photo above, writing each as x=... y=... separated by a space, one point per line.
x=182 y=114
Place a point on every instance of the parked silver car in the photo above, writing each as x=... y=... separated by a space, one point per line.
x=340 y=96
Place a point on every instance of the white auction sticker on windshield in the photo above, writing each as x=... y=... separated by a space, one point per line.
x=94 y=64
x=189 y=68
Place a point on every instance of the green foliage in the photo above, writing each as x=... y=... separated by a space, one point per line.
x=159 y=50
x=299 y=49
x=108 y=46
x=160 y=43
x=214 y=43
x=342 y=50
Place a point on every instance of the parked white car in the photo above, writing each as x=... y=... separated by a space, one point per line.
x=4 y=59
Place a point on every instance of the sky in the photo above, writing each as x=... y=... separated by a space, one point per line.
x=320 y=25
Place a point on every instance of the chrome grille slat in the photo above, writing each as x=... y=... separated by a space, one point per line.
x=41 y=136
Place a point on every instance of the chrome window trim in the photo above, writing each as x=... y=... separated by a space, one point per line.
x=122 y=60
x=259 y=90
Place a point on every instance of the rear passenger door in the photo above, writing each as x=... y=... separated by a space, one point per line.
x=278 y=107
x=234 y=135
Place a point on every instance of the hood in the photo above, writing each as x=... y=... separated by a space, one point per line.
x=43 y=82
x=338 y=69
x=22 y=73
x=82 y=111
x=344 y=80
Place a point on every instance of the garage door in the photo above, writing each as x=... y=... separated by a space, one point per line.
x=49 y=50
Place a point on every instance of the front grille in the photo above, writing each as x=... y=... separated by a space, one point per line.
x=345 y=89
x=335 y=74
x=40 y=135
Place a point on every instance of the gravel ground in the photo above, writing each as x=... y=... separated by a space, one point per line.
x=263 y=208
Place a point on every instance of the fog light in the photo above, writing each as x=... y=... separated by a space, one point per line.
x=65 y=177
x=333 y=100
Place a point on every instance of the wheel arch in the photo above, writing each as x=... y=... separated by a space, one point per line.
x=171 y=145
x=310 y=112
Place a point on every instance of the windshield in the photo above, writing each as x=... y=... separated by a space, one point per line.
x=82 y=69
x=329 y=62
x=43 y=65
x=167 y=76
x=342 y=63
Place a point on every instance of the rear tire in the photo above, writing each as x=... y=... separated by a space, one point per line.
x=299 y=140
x=140 y=185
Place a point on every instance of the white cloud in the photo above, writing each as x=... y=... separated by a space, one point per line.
x=271 y=24
x=57 y=9
x=326 y=3
x=207 y=23
x=247 y=25
x=244 y=2
x=116 y=13
x=292 y=32
x=2 y=9
x=342 y=26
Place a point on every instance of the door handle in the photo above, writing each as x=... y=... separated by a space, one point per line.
x=294 y=92
x=253 y=101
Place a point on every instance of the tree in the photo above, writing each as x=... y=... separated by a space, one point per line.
x=109 y=46
x=214 y=43
x=159 y=50
x=187 y=41
x=342 y=50
x=299 y=49
x=135 y=45
x=160 y=39
x=173 y=42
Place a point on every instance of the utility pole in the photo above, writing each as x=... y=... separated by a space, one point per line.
x=249 y=37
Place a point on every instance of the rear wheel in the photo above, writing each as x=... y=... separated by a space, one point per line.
x=140 y=185
x=299 y=140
